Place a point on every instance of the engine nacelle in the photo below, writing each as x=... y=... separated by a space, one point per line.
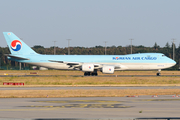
x=108 y=69
x=87 y=67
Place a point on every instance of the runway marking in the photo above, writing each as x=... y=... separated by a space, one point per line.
x=26 y=109
x=80 y=101
x=84 y=106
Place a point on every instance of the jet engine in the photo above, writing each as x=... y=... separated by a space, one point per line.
x=87 y=67
x=108 y=69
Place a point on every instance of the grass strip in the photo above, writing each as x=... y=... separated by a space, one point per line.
x=84 y=93
x=123 y=85
x=68 y=80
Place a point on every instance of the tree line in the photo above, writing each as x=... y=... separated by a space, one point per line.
x=97 y=50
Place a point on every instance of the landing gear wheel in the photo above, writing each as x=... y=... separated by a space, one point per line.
x=92 y=74
x=88 y=73
x=158 y=74
x=85 y=73
x=95 y=72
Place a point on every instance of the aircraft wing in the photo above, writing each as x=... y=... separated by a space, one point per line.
x=71 y=64
x=79 y=64
x=68 y=63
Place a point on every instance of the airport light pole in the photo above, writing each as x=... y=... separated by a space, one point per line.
x=19 y=65
x=105 y=47
x=68 y=47
x=54 y=47
x=131 y=45
x=173 y=49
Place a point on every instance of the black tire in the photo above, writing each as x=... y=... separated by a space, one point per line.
x=88 y=73
x=158 y=74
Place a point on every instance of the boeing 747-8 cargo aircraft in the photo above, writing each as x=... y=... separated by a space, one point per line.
x=89 y=64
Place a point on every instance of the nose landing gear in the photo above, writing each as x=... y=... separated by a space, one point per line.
x=159 y=74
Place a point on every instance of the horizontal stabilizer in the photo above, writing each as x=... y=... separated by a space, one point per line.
x=16 y=57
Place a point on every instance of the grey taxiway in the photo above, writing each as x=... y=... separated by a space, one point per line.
x=90 y=107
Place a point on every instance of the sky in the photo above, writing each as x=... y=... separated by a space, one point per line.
x=90 y=23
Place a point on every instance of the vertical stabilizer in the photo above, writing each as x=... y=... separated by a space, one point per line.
x=17 y=46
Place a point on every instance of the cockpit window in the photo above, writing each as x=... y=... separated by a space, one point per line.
x=163 y=55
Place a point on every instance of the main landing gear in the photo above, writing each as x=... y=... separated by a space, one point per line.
x=159 y=74
x=91 y=73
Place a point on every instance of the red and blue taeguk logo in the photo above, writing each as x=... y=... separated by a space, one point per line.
x=16 y=45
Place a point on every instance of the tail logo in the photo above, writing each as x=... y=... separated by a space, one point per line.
x=16 y=45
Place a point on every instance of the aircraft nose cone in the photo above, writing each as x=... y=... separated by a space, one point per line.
x=173 y=62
